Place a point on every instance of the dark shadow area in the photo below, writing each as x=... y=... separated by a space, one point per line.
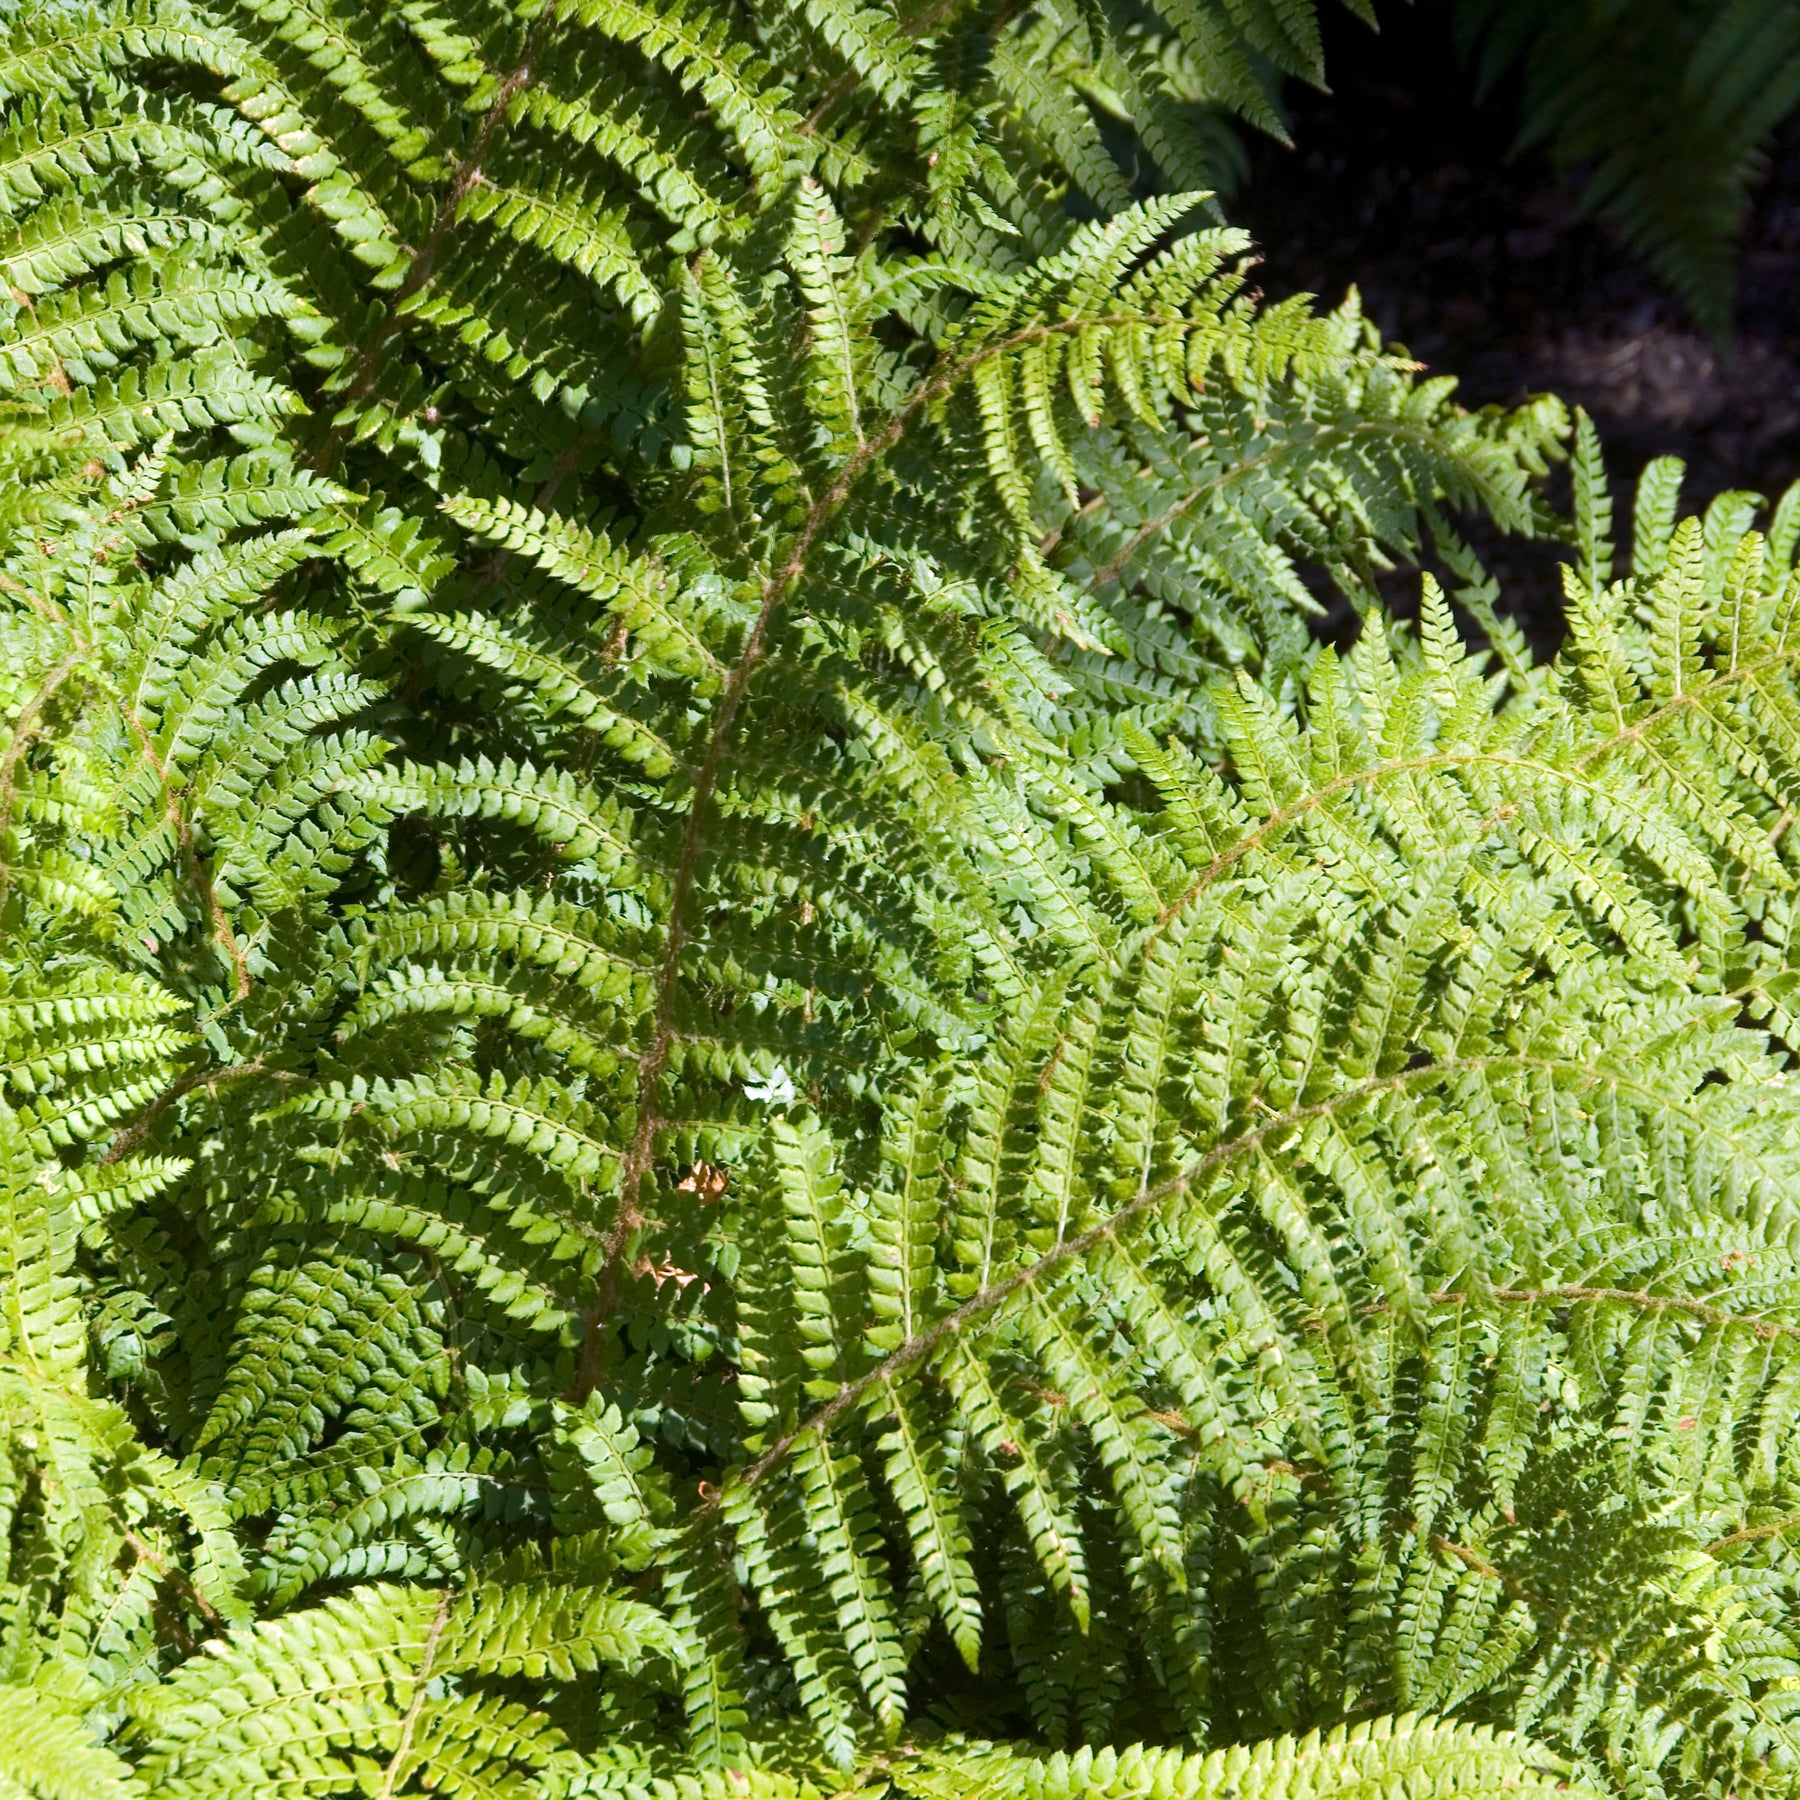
x=1480 y=262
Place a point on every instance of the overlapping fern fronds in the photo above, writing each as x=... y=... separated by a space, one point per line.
x=1205 y=1298
x=725 y=1058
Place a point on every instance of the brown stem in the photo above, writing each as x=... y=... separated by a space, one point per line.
x=129 y=1137
x=976 y=1310
x=184 y=837
x=165 y=1571
x=917 y=26
x=24 y=733
x=1637 y=1297
x=655 y=1061
x=1545 y=1609
x=1473 y=1559
x=1575 y=774
x=1753 y=1534
x=979 y=1306
x=419 y=271
x=485 y=576
x=1311 y=802
x=1687 y=700
x=1148 y=528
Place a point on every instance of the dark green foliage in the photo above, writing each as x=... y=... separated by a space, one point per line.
x=1666 y=105
x=725 y=1058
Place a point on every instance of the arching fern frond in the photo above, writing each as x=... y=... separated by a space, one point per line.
x=723 y=1050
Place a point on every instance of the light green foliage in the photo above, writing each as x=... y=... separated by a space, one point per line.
x=728 y=1066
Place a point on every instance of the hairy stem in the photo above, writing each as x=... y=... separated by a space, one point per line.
x=129 y=1137
x=396 y=1768
x=982 y=1307
x=653 y=1065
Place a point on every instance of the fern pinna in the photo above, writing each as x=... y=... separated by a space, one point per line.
x=728 y=1066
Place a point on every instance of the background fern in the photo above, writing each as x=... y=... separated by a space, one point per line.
x=1667 y=108
x=727 y=1062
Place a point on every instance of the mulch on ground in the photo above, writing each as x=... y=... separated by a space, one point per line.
x=1481 y=262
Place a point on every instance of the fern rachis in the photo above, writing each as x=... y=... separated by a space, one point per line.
x=726 y=1062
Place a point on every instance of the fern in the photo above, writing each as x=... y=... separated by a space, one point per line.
x=1669 y=107
x=727 y=1063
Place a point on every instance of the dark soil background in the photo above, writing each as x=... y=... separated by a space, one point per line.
x=1481 y=263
